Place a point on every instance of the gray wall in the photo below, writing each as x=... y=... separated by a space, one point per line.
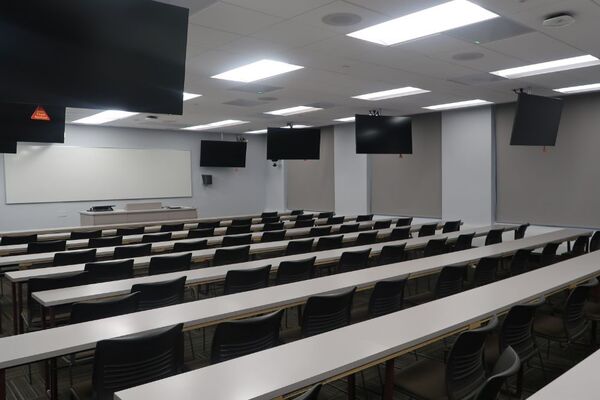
x=351 y=181
x=234 y=191
x=411 y=184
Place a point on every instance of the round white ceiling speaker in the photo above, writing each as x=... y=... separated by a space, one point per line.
x=558 y=20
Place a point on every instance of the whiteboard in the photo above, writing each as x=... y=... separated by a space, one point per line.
x=44 y=174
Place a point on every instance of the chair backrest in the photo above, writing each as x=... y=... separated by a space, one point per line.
x=366 y=238
x=294 y=271
x=580 y=246
x=311 y=394
x=243 y=280
x=231 y=255
x=299 y=246
x=392 y=254
x=171 y=227
x=109 y=271
x=172 y=263
x=449 y=281
x=93 y=310
x=387 y=297
x=139 y=230
x=326 y=312
x=363 y=218
x=336 y=220
x=549 y=254
x=157 y=237
x=132 y=251
x=327 y=214
x=517 y=330
x=404 y=221
x=269 y=214
x=304 y=217
x=111 y=241
x=520 y=262
x=234 y=339
x=330 y=242
x=595 y=241
x=241 y=222
x=74 y=257
x=427 y=230
x=159 y=294
x=237 y=229
x=269 y=220
x=520 y=232
x=297 y=212
x=465 y=369
x=273 y=226
x=354 y=260
x=190 y=245
x=464 y=242
x=201 y=233
x=486 y=271
x=46 y=246
x=75 y=235
x=382 y=224
x=21 y=239
x=494 y=236
x=400 y=233
x=451 y=226
x=320 y=231
x=272 y=236
x=42 y=284
x=208 y=225
x=507 y=365
x=133 y=360
x=435 y=247
x=305 y=223
x=574 y=320
x=348 y=228
x=239 y=240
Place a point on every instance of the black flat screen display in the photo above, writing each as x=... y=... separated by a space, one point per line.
x=383 y=135
x=293 y=144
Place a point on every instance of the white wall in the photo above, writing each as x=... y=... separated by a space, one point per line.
x=351 y=173
x=234 y=191
x=275 y=186
x=467 y=165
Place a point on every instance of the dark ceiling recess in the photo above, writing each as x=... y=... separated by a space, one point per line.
x=341 y=19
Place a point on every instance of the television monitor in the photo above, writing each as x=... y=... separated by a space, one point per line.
x=215 y=153
x=99 y=54
x=8 y=147
x=32 y=123
x=536 y=121
x=293 y=144
x=383 y=135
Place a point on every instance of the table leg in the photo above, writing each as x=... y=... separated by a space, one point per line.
x=44 y=312
x=20 y=308
x=388 y=390
x=15 y=309
x=352 y=387
x=2 y=384
x=568 y=246
x=53 y=380
x=52 y=321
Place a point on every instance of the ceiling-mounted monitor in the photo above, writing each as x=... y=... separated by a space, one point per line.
x=32 y=123
x=383 y=135
x=536 y=121
x=216 y=153
x=8 y=147
x=293 y=144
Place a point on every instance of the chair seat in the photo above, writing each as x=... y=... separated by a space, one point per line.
x=550 y=326
x=424 y=379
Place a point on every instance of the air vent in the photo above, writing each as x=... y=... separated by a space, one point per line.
x=341 y=19
x=243 y=103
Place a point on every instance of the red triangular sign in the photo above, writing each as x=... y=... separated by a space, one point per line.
x=40 y=114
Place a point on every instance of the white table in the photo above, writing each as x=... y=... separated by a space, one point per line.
x=94 y=218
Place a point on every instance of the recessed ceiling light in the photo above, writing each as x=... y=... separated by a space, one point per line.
x=299 y=126
x=564 y=64
x=257 y=70
x=459 y=104
x=293 y=110
x=104 y=117
x=190 y=96
x=218 y=124
x=579 y=89
x=390 y=94
x=346 y=119
x=257 y=131
x=443 y=17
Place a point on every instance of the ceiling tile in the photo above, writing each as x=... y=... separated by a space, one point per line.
x=315 y=17
x=280 y=8
x=294 y=34
x=234 y=19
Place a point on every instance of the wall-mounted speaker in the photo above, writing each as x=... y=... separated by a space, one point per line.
x=206 y=179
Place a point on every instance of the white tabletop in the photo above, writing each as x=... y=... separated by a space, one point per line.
x=290 y=367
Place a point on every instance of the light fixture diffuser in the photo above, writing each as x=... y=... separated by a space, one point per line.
x=390 y=94
x=190 y=96
x=257 y=131
x=257 y=70
x=563 y=64
x=458 y=104
x=104 y=117
x=218 y=124
x=579 y=89
x=345 y=119
x=293 y=110
x=298 y=126
x=443 y=17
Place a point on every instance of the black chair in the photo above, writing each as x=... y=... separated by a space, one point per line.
x=595 y=241
x=451 y=226
x=327 y=214
x=130 y=231
x=157 y=237
x=93 y=310
x=311 y=394
x=520 y=231
x=171 y=227
x=272 y=236
x=241 y=222
x=463 y=242
x=109 y=271
x=234 y=339
x=387 y=297
x=336 y=220
x=348 y=228
x=404 y=221
x=133 y=360
x=167 y=264
x=231 y=255
x=304 y=217
x=237 y=229
x=299 y=247
x=274 y=226
x=435 y=247
x=159 y=294
x=400 y=234
x=85 y=234
x=519 y=263
x=269 y=220
x=21 y=239
x=243 y=280
x=548 y=255
x=449 y=282
x=508 y=365
x=382 y=224
x=330 y=243
x=327 y=312
x=320 y=231
x=580 y=246
x=364 y=238
x=74 y=257
x=392 y=254
x=132 y=251
x=486 y=271
x=294 y=271
x=208 y=225
x=269 y=214
x=363 y=218
x=353 y=260
x=494 y=236
x=427 y=230
x=297 y=212
x=111 y=241
x=46 y=246
x=237 y=240
x=190 y=245
x=201 y=233
x=308 y=223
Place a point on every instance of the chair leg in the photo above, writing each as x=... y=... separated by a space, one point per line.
x=191 y=344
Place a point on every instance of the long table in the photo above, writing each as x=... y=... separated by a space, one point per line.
x=288 y=368
x=48 y=344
